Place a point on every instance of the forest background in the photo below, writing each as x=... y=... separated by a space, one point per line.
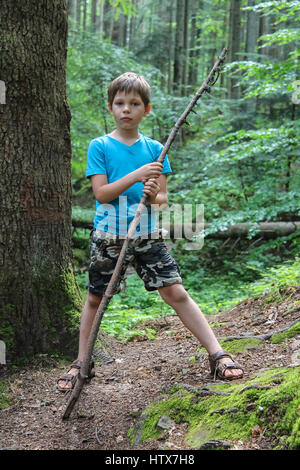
x=240 y=155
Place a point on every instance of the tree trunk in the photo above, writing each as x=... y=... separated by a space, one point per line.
x=185 y=47
x=71 y=6
x=179 y=52
x=101 y=17
x=234 y=45
x=251 y=42
x=78 y=14
x=94 y=16
x=39 y=297
x=170 y=49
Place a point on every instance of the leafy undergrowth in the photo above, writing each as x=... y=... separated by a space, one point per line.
x=230 y=412
x=129 y=309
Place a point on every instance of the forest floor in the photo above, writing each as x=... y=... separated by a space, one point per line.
x=136 y=373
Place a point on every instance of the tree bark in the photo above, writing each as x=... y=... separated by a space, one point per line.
x=39 y=297
x=185 y=47
x=94 y=16
x=179 y=44
x=251 y=42
x=234 y=45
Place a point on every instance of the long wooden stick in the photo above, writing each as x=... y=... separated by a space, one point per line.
x=83 y=373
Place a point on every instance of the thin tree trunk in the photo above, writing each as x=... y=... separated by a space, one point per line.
x=251 y=42
x=171 y=50
x=179 y=52
x=235 y=45
x=78 y=14
x=94 y=16
x=71 y=7
x=39 y=298
x=84 y=15
x=101 y=17
x=185 y=47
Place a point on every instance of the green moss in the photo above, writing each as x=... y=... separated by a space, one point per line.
x=241 y=345
x=270 y=401
x=294 y=330
x=237 y=346
x=51 y=314
x=4 y=396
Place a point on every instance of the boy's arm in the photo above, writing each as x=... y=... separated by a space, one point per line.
x=106 y=192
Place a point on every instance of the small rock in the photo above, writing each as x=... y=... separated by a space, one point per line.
x=209 y=445
x=165 y=422
x=119 y=439
x=250 y=407
x=135 y=412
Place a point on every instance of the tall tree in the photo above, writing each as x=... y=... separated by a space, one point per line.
x=251 y=42
x=179 y=46
x=234 y=44
x=39 y=298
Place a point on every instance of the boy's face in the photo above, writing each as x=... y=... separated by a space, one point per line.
x=128 y=109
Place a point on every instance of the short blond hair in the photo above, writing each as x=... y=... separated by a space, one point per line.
x=128 y=82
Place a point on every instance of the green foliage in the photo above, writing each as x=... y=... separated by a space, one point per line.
x=4 y=395
x=88 y=77
x=128 y=310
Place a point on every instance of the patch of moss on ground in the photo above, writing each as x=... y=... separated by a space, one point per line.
x=237 y=346
x=270 y=401
x=294 y=330
x=241 y=345
x=4 y=396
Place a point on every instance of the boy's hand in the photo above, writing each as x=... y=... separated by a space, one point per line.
x=149 y=171
x=151 y=188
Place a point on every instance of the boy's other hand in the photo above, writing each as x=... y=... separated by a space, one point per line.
x=149 y=171
x=151 y=188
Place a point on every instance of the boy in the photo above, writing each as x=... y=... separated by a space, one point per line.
x=122 y=166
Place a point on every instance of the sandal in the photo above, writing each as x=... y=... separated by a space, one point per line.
x=218 y=369
x=73 y=378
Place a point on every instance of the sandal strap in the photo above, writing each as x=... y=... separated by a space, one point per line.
x=219 y=355
x=219 y=368
x=66 y=378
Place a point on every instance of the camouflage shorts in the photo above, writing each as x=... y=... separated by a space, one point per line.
x=150 y=258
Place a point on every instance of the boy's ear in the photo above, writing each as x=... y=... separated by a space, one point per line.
x=147 y=109
x=109 y=107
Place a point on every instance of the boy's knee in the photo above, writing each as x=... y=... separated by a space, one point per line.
x=173 y=294
x=93 y=300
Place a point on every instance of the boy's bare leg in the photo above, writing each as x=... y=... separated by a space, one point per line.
x=88 y=314
x=192 y=317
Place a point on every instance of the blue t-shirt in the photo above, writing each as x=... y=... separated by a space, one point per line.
x=107 y=156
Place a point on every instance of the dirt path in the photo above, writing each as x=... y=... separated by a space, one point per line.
x=139 y=372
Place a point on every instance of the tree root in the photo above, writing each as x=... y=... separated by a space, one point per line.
x=262 y=337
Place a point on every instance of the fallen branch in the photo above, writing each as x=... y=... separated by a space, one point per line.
x=203 y=391
x=83 y=373
x=264 y=229
x=262 y=337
